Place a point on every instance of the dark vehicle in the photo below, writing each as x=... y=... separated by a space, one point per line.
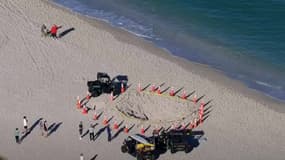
x=104 y=84
x=177 y=140
x=139 y=146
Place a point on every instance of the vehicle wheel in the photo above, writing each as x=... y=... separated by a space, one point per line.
x=152 y=157
x=139 y=156
x=95 y=93
x=172 y=150
x=124 y=149
x=187 y=149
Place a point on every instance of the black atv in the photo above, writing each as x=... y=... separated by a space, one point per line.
x=177 y=140
x=104 y=84
x=139 y=146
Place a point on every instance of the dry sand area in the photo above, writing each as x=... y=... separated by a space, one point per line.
x=41 y=78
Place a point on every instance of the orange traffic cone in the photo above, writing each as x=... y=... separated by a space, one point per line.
x=116 y=126
x=95 y=116
x=84 y=110
x=183 y=126
x=184 y=95
x=191 y=126
x=201 y=113
x=158 y=90
x=171 y=93
x=202 y=104
x=111 y=96
x=195 y=123
x=139 y=87
x=142 y=130
x=105 y=121
x=172 y=126
x=122 y=88
x=152 y=89
x=195 y=99
x=200 y=118
x=126 y=129
x=78 y=103
x=88 y=95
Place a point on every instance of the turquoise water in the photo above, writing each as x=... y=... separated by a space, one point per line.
x=244 y=39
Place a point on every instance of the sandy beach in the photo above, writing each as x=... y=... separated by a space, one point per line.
x=41 y=77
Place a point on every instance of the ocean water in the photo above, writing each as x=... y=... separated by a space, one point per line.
x=244 y=39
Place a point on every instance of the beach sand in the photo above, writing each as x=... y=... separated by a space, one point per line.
x=41 y=78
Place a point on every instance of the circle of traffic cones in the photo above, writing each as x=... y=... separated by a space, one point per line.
x=171 y=93
x=184 y=95
x=116 y=126
x=111 y=96
x=158 y=90
x=84 y=110
x=122 y=88
x=139 y=87
x=152 y=88
x=105 y=121
x=142 y=130
x=195 y=99
x=88 y=95
x=95 y=116
x=78 y=103
x=126 y=129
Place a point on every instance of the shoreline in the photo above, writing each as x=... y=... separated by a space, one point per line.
x=201 y=69
x=41 y=77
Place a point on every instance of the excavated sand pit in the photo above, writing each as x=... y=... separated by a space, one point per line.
x=148 y=107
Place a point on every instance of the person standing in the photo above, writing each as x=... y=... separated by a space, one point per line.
x=91 y=133
x=80 y=130
x=17 y=135
x=42 y=127
x=45 y=127
x=109 y=133
x=53 y=31
x=81 y=156
x=25 y=123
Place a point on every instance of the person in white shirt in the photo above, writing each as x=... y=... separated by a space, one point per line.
x=81 y=156
x=25 y=122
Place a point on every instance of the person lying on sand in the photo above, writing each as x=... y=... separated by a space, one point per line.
x=53 y=31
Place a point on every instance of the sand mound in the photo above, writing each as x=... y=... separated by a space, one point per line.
x=152 y=107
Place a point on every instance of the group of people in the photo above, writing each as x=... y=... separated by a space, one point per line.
x=52 y=32
x=90 y=130
x=24 y=132
x=19 y=135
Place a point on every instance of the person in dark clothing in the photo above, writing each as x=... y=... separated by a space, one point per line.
x=91 y=133
x=109 y=133
x=45 y=32
x=45 y=127
x=17 y=135
x=53 y=31
x=80 y=130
